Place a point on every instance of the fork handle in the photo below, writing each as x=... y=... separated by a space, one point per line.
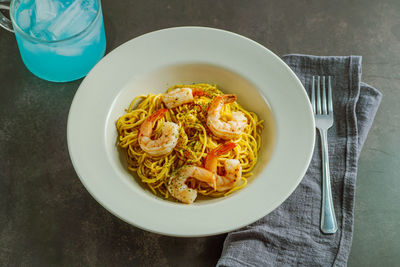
x=328 y=218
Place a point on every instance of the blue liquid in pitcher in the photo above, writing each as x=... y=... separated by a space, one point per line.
x=62 y=40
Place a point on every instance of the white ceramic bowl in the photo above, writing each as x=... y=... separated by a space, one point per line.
x=153 y=62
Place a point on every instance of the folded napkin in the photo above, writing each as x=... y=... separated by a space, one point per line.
x=290 y=235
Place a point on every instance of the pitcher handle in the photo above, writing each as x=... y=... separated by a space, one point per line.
x=4 y=21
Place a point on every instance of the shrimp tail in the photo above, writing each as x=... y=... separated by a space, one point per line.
x=223 y=149
x=145 y=128
x=220 y=100
x=157 y=115
x=211 y=160
x=228 y=98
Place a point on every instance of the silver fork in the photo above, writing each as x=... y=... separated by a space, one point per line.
x=323 y=114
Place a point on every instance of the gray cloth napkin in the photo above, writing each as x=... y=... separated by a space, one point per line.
x=290 y=235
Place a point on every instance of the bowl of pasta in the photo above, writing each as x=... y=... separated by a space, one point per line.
x=190 y=131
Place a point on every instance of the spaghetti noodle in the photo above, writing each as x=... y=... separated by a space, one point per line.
x=194 y=142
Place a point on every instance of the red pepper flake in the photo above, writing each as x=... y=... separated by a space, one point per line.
x=199 y=92
x=187 y=155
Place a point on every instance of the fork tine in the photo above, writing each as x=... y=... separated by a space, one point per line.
x=318 y=95
x=324 y=109
x=313 y=94
x=330 y=107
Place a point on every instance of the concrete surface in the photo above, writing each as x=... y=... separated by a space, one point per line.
x=48 y=218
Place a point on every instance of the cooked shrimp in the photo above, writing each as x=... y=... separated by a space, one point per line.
x=181 y=96
x=225 y=130
x=165 y=143
x=232 y=177
x=177 y=183
x=211 y=160
x=233 y=169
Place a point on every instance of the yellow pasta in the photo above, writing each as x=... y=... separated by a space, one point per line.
x=195 y=140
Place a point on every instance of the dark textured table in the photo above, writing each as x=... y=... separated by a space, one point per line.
x=48 y=218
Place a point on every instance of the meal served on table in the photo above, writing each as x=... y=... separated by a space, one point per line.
x=192 y=140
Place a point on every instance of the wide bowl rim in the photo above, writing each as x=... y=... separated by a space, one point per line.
x=176 y=231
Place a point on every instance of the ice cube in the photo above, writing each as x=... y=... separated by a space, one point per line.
x=73 y=20
x=40 y=31
x=24 y=19
x=45 y=10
